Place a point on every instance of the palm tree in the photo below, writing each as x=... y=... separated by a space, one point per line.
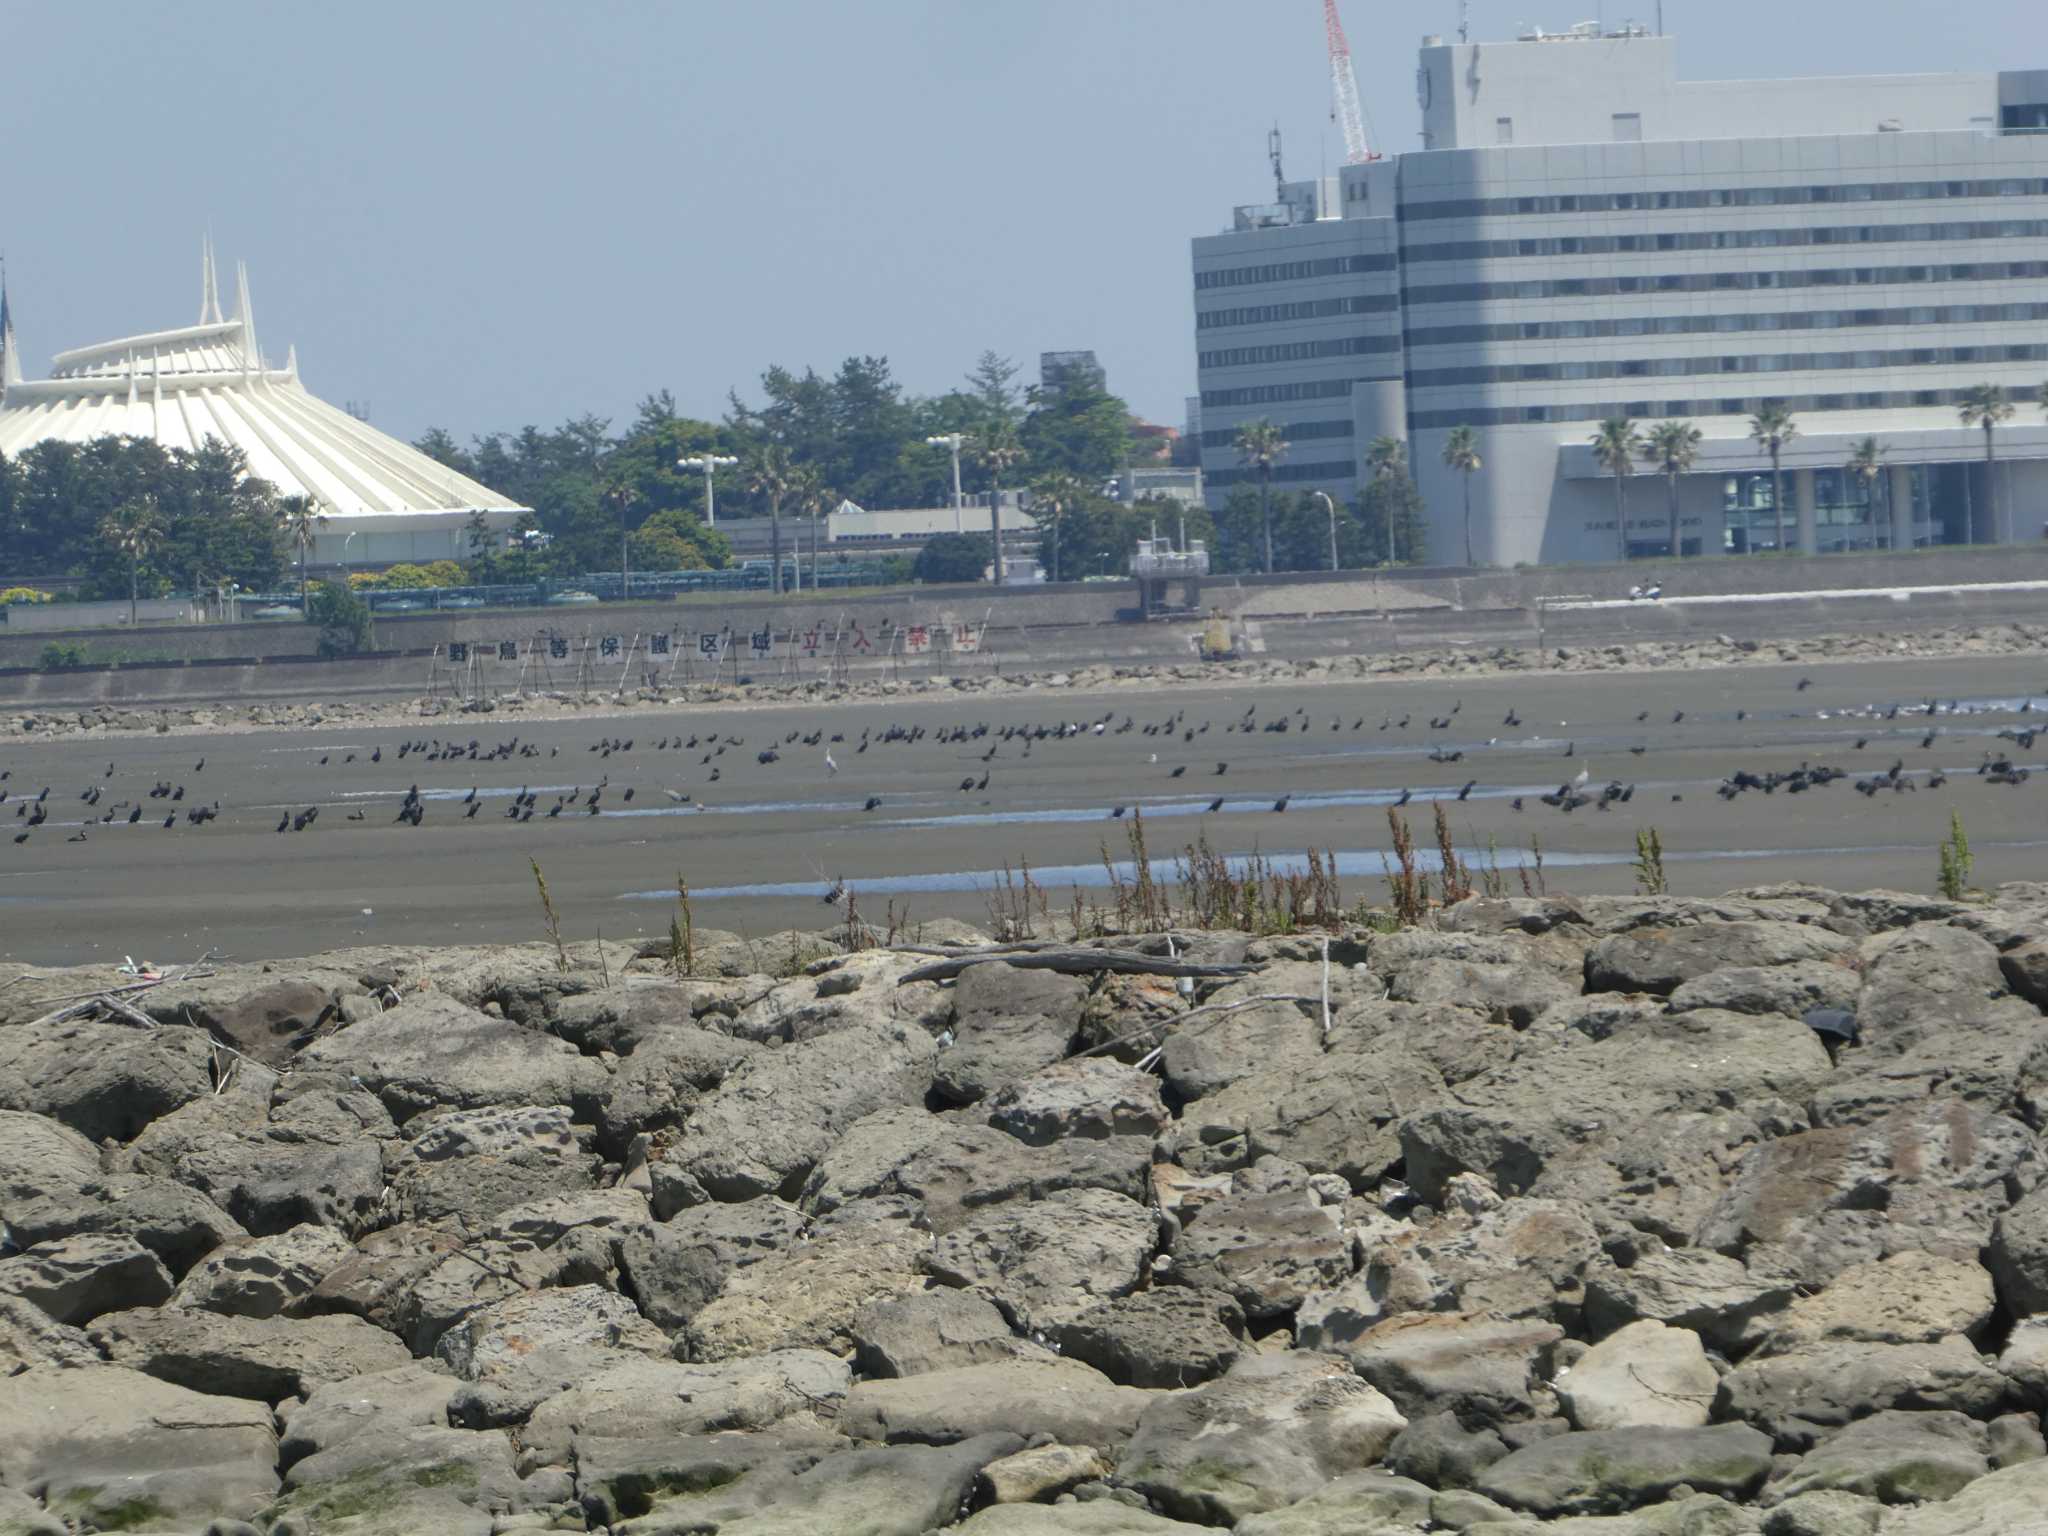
x=1261 y=446
x=999 y=452
x=1865 y=465
x=1615 y=442
x=1059 y=493
x=1387 y=460
x=771 y=476
x=136 y=529
x=1772 y=427
x=1673 y=448
x=297 y=518
x=816 y=499
x=1461 y=453
x=623 y=497
x=1985 y=405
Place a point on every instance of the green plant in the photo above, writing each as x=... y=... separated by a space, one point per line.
x=1407 y=886
x=56 y=655
x=22 y=595
x=682 y=932
x=1455 y=878
x=343 y=619
x=550 y=919
x=1956 y=860
x=1650 y=879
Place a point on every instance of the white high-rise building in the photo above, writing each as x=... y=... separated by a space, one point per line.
x=1586 y=235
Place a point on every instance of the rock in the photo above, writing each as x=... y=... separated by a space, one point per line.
x=1825 y=1514
x=21 y=1515
x=2025 y=969
x=1483 y=1368
x=1136 y=1012
x=1784 y=989
x=1041 y=1473
x=1909 y=1298
x=497 y=1269
x=268 y=1358
x=104 y=1081
x=1721 y=1299
x=1171 y=1336
x=1268 y=1251
x=1437 y=1450
x=1045 y=1262
x=1799 y=1395
x=516 y=1353
x=1660 y=960
x=1932 y=1177
x=639 y=1010
x=1612 y=1470
x=2018 y=1256
x=778 y=1113
x=2012 y=1438
x=1092 y=1098
x=1896 y=1458
x=673 y=1268
x=266 y=1018
x=1924 y=981
x=1272 y=1431
x=404 y=1478
x=1065 y=1399
x=1332 y=1114
x=1362 y=1502
x=665 y=1078
x=2006 y=1503
x=1008 y=1023
x=263 y=1276
x=375 y=1282
x=1104 y=1517
x=956 y=1167
x=75 y=1279
x=1213 y=1051
x=411 y=1395
x=941 y=1330
x=637 y=1397
x=1510 y=994
x=30 y=1337
x=1643 y=1374
x=645 y=1483
x=462 y=1169
x=121 y=1450
x=807 y=1296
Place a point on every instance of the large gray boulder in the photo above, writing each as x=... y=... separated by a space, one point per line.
x=1481 y=1367
x=377 y=1279
x=2018 y=1255
x=1800 y=1395
x=1607 y=1471
x=1045 y=1262
x=104 y=1081
x=401 y=1478
x=807 y=1296
x=778 y=1113
x=265 y=1358
x=1728 y=1303
x=941 y=1330
x=30 y=1337
x=1093 y=1098
x=1646 y=1374
x=75 y=1279
x=1213 y=1051
x=637 y=1397
x=1925 y=981
x=122 y=1450
x=1071 y=1402
x=265 y=1016
x=1896 y=1458
x=664 y=1079
x=2009 y=1502
x=432 y=1052
x=516 y=1353
x=1266 y=1250
x=1661 y=959
x=1102 y=1517
x=1791 y=989
x=1909 y=1298
x=1368 y=1501
x=673 y=1268
x=1333 y=1114
x=263 y=1276
x=1270 y=1432
x=1170 y=1336
x=413 y=1394
x=1008 y=1023
x=465 y=1167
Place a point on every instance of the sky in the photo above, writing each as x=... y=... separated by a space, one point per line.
x=479 y=214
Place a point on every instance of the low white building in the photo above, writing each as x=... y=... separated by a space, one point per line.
x=383 y=501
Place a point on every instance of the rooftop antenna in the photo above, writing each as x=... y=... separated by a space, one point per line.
x=1465 y=19
x=1273 y=154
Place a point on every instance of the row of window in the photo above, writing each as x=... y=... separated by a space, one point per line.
x=1693 y=367
x=1686 y=410
x=1705 y=282
x=1306 y=309
x=1291 y=271
x=1299 y=351
x=1729 y=240
x=1333 y=469
x=1294 y=431
x=1726 y=197
x=1281 y=394
x=1696 y=325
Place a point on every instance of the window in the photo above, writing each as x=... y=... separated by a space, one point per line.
x=1628 y=127
x=1503 y=130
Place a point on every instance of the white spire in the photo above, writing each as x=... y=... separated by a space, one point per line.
x=291 y=362
x=10 y=355
x=209 y=284
x=246 y=313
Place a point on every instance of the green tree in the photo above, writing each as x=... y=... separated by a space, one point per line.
x=952 y=557
x=1866 y=466
x=815 y=499
x=999 y=451
x=1615 y=442
x=1390 y=517
x=1260 y=447
x=674 y=540
x=484 y=544
x=1672 y=448
x=1986 y=406
x=343 y=619
x=1076 y=425
x=770 y=475
x=1386 y=462
x=299 y=517
x=1772 y=427
x=135 y=530
x=992 y=392
x=1053 y=496
x=1461 y=453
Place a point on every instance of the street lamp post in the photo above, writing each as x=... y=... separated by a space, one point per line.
x=954 y=441
x=710 y=463
x=1329 y=503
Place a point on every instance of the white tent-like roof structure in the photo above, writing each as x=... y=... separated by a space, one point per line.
x=383 y=500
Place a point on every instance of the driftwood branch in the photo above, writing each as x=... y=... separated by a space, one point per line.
x=1073 y=962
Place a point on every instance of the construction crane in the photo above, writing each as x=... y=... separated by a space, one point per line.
x=1344 y=87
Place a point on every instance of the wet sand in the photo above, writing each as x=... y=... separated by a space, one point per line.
x=762 y=843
